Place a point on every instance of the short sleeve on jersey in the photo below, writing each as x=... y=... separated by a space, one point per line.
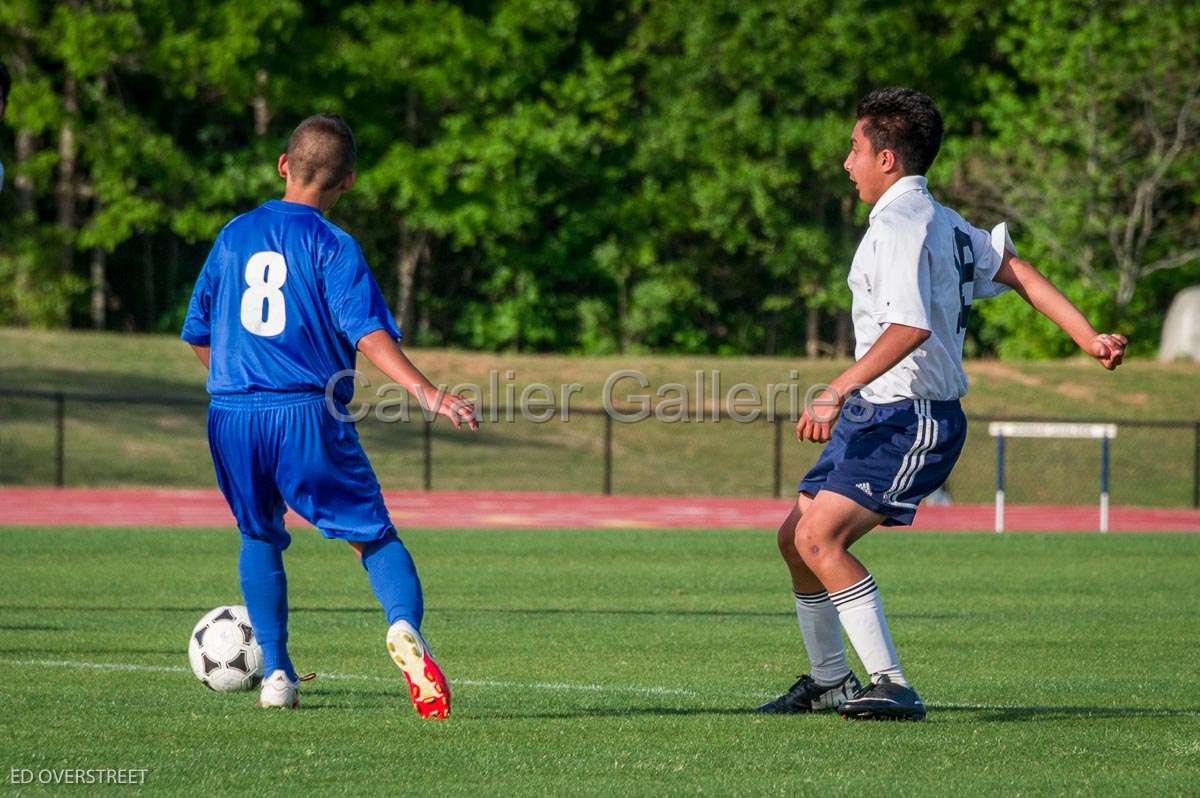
x=901 y=272
x=197 y=325
x=355 y=301
x=989 y=257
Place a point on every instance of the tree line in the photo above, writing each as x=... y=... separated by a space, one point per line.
x=599 y=177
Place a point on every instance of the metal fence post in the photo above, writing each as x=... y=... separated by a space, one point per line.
x=608 y=435
x=428 y=434
x=1104 y=484
x=778 y=458
x=999 y=483
x=60 y=434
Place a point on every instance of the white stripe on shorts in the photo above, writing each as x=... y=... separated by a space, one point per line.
x=931 y=432
x=914 y=459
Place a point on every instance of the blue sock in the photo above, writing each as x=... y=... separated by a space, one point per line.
x=264 y=587
x=394 y=579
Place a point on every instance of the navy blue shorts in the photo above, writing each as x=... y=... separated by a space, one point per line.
x=888 y=457
x=277 y=449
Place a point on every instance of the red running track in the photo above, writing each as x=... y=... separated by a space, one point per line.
x=499 y=510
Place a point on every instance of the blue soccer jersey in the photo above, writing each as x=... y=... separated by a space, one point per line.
x=283 y=300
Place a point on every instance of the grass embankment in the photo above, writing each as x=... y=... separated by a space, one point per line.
x=117 y=444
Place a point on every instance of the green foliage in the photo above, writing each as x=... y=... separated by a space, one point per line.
x=598 y=177
x=1095 y=158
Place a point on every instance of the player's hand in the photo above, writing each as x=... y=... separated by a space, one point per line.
x=816 y=422
x=1109 y=349
x=455 y=408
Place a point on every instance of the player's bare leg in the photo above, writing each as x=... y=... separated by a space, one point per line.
x=803 y=579
x=830 y=682
x=831 y=524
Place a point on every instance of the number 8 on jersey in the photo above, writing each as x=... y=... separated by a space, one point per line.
x=263 y=310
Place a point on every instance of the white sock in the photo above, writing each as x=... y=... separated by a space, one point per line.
x=822 y=635
x=861 y=612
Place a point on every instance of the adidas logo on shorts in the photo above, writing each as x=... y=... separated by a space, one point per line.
x=865 y=487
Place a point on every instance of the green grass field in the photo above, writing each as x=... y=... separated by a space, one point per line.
x=611 y=663
x=117 y=444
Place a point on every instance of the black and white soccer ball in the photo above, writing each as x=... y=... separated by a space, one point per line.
x=223 y=652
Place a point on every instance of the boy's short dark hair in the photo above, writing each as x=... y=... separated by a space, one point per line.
x=321 y=150
x=5 y=83
x=903 y=121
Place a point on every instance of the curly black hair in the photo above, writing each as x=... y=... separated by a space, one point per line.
x=5 y=84
x=903 y=121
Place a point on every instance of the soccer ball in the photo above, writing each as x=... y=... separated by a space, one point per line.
x=223 y=652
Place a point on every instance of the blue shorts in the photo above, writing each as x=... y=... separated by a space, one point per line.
x=888 y=457
x=272 y=449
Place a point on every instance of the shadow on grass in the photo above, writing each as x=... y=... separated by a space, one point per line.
x=107 y=382
x=482 y=611
x=663 y=612
x=356 y=698
x=619 y=712
x=344 y=697
x=97 y=608
x=990 y=714
x=1044 y=713
x=79 y=652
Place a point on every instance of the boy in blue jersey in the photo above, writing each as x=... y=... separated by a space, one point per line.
x=899 y=426
x=282 y=303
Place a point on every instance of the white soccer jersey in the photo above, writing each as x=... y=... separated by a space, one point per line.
x=920 y=264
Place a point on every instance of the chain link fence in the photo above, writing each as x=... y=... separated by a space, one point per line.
x=75 y=439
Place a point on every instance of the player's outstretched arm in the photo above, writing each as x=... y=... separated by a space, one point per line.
x=1044 y=296
x=382 y=350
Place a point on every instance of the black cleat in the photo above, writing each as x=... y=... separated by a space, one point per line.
x=808 y=696
x=884 y=700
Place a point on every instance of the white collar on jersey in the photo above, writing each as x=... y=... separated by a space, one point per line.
x=902 y=186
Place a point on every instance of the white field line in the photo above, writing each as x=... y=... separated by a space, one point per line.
x=354 y=677
x=591 y=688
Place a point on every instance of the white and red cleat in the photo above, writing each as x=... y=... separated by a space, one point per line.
x=427 y=686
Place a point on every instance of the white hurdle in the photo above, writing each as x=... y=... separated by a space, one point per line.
x=1000 y=430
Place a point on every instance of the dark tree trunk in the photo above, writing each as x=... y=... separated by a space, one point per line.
x=423 y=320
x=171 y=280
x=148 y=286
x=842 y=343
x=812 y=333
x=26 y=145
x=262 y=111
x=414 y=248
x=623 y=338
x=414 y=244
x=99 y=281
x=770 y=344
x=66 y=189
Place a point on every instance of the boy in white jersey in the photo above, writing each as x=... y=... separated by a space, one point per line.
x=899 y=427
